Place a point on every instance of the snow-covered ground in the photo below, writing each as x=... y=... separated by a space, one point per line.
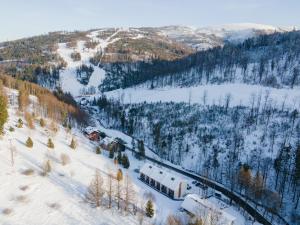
x=59 y=197
x=240 y=94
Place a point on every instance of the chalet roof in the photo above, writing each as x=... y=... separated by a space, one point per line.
x=168 y=179
x=202 y=207
x=90 y=130
x=106 y=140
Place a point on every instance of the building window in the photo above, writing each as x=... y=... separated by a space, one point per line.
x=164 y=189
x=142 y=177
x=152 y=183
x=158 y=186
x=171 y=193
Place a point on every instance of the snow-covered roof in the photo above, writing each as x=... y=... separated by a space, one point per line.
x=90 y=130
x=107 y=140
x=166 y=178
x=202 y=207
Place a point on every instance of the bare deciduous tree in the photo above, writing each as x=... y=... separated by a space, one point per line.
x=95 y=191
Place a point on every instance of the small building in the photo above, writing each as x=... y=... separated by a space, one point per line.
x=163 y=181
x=92 y=133
x=205 y=209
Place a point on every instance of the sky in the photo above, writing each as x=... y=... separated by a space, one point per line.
x=23 y=18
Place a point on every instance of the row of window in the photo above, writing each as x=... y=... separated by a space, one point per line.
x=156 y=185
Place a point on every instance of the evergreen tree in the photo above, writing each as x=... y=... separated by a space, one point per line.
x=141 y=148
x=20 y=123
x=149 y=209
x=111 y=152
x=42 y=122
x=3 y=112
x=125 y=161
x=119 y=157
x=29 y=143
x=50 y=143
x=98 y=150
x=297 y=165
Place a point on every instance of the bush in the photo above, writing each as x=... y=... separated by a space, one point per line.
x=65 y=159
x=50 y=143
x=11 y=129
x=29 y=143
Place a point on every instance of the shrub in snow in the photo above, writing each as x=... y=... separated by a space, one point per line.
x=65 y=159
x=50 y=143
x=29 y=143
x=28 y=172
x=7 y=211
x=73 y=144
x=21 y=198
x=11 y=129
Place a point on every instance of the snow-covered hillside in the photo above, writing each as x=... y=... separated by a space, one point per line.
x=30 y=197
x=239 y=94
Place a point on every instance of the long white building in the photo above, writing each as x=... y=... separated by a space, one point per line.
x=207 y=210
x=163 y=181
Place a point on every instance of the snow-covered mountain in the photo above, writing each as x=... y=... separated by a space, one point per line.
x=213 y=36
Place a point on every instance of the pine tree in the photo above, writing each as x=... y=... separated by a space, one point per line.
x=50 y=143
x=111 y=152
x=20 y=123
x=73 y=144
x=119 y=157
x=141 y=148
x=149 y=209
x=125 y=161
x=3 y=112
x=29 y=143
x=98 y=150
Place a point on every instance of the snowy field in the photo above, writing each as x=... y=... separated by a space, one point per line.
x=240 y=94
x=59 y=197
